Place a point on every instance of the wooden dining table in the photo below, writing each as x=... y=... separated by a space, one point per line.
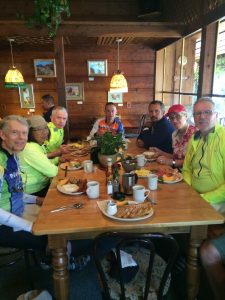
x=179 y=209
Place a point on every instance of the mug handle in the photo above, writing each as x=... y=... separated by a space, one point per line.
x=88 y=190
x=136 y=178
x=148 y=192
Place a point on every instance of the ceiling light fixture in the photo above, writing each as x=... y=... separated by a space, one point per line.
x=13 y=78
x=118 y=82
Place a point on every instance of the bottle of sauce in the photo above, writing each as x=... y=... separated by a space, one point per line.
x=109 y=176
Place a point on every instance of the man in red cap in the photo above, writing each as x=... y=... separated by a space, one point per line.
x=178 y=117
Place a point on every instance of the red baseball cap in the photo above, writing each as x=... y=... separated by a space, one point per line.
x=176 y=108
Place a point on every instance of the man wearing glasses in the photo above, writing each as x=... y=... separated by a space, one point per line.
x=204 y=164
x=15 y=227
x=204 y=170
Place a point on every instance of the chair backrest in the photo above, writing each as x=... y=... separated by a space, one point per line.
x=154 y=270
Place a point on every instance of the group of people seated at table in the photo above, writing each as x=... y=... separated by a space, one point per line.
x=31 y=149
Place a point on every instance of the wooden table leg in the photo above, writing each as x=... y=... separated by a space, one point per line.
x=198 y=233
x=58 y=246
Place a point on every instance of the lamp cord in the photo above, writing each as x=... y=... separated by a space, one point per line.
x=11 y=52
x=118 y=55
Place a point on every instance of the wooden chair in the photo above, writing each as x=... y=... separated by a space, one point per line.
x=155 y=255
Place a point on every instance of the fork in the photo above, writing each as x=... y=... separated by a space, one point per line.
x=72 y=206
x=153 y=202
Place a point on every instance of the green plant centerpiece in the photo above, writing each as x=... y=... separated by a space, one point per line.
x=109 y=146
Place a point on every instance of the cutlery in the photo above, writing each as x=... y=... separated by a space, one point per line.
x=153 y=202
x=66 y=169
x=73 y=206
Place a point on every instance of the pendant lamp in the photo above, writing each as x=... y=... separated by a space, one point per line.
x=13 y=78
x=118 y=82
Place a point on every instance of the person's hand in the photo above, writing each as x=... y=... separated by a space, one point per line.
x=140 y=143
x=164 y=160
x=39 y=200
x=64 y=149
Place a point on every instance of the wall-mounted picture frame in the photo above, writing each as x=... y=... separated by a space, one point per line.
x=75 y=91
x=115 y=97
x=44 y=68
x=27 y=96
x=97 y=67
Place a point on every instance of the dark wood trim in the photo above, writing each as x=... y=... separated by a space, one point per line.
x=207 y=59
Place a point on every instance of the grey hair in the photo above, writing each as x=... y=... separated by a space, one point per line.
x=4 y=123
x=205 y=99
x=61 y=108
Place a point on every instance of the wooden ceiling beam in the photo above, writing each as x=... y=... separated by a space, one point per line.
x=96 y=29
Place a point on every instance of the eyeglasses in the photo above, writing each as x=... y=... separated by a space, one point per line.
x=206 y=113
x=173 y=117
x=40 y=128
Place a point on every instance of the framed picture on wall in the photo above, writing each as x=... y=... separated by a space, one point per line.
x=44 y=67
x=97 y=67
x=27 y=96
x=115 y=97
x=75 y=91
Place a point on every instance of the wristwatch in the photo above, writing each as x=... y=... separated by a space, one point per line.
x=173 y=165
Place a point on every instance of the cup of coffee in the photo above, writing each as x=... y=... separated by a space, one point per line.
x=152 y=182
x=93 y=189
x=88 y=166
x=141 y=160
x=140 y=193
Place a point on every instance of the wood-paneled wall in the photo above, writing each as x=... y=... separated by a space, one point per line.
x=136 y=61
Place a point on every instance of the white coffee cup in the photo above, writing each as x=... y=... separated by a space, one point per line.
x=152 y=182
x=111 y=208
x=141 y=160
x=92 y=189
x=140 y=193
x=88 y=166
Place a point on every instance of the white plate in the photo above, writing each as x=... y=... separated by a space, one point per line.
x=62 y=190
x=63 y=167
x=103 y=206
x=174 y=181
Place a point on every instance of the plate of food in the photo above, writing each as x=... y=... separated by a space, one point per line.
x=80 y=152
x=130 y=212
x=72 y=186
x=169 y=176
x=71 y=165
x=142 y=173
x=150 y=155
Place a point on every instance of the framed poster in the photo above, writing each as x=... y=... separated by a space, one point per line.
x=75 y=91
x=27 y=96
x=44 y=67
x=115 y=97
x=97 y=67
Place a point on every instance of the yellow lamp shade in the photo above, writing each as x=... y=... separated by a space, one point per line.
x=118 y=83
x=14 y=78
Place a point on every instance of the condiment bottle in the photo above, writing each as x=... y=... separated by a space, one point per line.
x=116 y=181
x=109 y=176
